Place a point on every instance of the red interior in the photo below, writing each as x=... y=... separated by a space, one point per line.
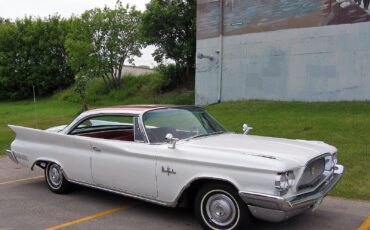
x=123 y=135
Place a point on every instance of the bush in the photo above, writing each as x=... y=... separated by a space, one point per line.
x=146 y=89
x=68 y=95
x=170 y=77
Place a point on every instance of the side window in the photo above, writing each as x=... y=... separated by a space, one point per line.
x=138 y=135
x=104 y=123
x=114 y=127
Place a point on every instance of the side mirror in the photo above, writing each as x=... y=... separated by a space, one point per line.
x=246 y=129
x=171 y=140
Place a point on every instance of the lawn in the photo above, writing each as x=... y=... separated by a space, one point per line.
x=48 y=113
x=345 y=125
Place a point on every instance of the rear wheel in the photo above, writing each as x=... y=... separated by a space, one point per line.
x=55 y=179
x=219 y=207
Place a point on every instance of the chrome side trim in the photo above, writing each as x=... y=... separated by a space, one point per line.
x=125 y=194
x=11 y=156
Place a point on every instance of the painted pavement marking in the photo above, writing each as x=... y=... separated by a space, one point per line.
x=87 y=218
x=21 y=180
x=365 y=225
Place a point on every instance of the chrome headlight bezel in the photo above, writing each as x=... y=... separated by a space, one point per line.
x=284 y=181
x=330 y=162
x=335 y=158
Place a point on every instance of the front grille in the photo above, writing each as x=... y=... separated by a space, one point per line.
x=313 y=174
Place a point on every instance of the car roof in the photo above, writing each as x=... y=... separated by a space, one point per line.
x=129 y=109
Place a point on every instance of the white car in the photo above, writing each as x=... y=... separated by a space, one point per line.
x=175 y=155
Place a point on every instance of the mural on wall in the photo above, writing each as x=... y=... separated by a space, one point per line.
x=250 y=16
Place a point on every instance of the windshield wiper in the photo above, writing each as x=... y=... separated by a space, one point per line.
x=207 y=134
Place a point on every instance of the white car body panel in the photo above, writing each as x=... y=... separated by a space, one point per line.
x=246 y=154
x=73 y=153
x=131 y=166
x=157 y=173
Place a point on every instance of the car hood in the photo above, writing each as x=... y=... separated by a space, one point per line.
x=297 y=152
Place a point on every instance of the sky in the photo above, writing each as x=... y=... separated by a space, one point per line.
x=19 y=8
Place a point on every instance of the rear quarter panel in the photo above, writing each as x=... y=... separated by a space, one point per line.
x=72 y=153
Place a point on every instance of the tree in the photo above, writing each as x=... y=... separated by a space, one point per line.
x=8 y=53
x=170 y=25
x=102 y=40
x=80 y=88
x=32 y=54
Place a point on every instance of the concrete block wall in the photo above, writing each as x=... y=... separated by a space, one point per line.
x=329 y=63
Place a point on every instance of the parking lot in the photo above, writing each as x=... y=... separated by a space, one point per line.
x=26 y=203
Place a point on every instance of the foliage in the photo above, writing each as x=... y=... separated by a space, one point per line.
x=138 y=89
x=102 y=40
x=80 y=88
x=51 y=53
x=170 y=77
x=32 y=53
x=4 y=20
x=170 y=25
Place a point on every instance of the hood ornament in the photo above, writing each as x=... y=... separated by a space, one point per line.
x=246 y=129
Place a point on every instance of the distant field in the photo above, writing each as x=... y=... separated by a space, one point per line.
x=345 y=125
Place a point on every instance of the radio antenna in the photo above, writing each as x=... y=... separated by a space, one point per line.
x=34 y=102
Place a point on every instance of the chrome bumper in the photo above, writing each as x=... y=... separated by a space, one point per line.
x=11 y=156
x=276 y=208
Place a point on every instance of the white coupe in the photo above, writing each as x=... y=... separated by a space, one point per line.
x=175 y=155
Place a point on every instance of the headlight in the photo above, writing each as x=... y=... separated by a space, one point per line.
x=284 y=181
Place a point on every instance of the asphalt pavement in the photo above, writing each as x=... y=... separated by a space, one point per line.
x=27 y=203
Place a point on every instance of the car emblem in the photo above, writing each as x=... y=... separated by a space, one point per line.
x=313 y=170
x=168 y=171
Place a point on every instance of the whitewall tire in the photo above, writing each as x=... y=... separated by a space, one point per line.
x=219 y=207
x=55 y=179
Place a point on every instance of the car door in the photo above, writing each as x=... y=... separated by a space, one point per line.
x=127 y=166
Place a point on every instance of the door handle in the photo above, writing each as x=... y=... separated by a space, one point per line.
x=96 y=149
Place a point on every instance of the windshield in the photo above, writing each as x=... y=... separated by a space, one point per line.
x=182 y=123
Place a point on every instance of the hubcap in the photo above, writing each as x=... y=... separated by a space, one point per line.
x=55 y=175
x=220 y=209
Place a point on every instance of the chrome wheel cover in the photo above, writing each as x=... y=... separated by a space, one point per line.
x=55 y=176
x=221 y=209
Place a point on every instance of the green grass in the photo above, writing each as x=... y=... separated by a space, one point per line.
x=345 y=125
x=49 y=113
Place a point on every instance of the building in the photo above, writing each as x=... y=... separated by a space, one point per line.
x=136 y=70
x=304 y=50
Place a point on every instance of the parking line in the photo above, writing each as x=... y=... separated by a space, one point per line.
x=20 y=180
x=365 y=225
x=87 y=218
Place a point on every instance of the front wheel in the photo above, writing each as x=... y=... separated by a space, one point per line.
x=55 y=179
x=219 y=207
